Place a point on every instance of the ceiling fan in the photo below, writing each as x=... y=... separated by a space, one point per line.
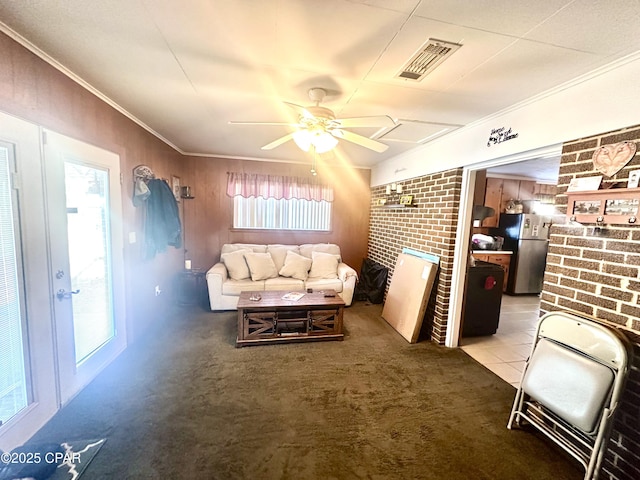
x=318 y=127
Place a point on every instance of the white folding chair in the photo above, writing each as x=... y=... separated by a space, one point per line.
x=571 y=385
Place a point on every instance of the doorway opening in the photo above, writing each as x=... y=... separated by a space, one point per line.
x=522 y=175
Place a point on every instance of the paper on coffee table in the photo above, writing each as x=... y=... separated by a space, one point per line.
x=292 y=296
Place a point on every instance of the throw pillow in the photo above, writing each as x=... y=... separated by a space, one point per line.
x=261 y=266
x=236 y=264
x=295 y=266
x=324 y=265
x=307 y=249
x=279 y=253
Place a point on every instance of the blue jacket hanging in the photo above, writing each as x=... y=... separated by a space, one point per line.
x=162 y=223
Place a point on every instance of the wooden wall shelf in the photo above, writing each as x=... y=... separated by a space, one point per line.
x=613 y=206
x=398 y=205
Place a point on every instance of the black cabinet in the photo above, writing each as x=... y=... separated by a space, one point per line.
x=482 y=299
x=191 y=288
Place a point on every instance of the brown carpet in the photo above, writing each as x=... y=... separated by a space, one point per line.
x=185 y=404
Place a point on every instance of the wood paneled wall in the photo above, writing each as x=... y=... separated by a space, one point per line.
x=209 y=216
x=35 y=91
x=499 y=191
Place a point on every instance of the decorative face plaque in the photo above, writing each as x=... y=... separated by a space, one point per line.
x=609 y=159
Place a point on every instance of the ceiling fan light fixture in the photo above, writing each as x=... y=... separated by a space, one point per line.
x=322 y=141
x=302 y=139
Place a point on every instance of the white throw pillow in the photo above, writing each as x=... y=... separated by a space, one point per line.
x=324 y=265
x=261 y=266
x=296 y=266
x=279 y=253
x=307 y=249
x=236 y=264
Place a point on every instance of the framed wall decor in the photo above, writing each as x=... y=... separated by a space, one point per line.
x=634 y=177
x=612 y=206
x=406 y=199
x=584 y=184
x=175 y=186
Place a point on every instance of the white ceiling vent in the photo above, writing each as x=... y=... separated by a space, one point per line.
x=432 y=54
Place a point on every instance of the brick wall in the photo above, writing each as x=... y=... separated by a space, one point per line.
x=430 y=227
x=598 y=274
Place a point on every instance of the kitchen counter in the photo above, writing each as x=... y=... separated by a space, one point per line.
x=492 y=252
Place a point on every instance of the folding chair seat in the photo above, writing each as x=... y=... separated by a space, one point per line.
x=571 y=385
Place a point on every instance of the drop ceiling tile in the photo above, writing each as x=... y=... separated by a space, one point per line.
x=414 y=132
x=422 y=105
x=617 y=24
x=524 y=70
x=477 y=47
x=507 y=17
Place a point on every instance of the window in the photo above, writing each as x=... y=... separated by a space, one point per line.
x=283 y=214
x=280 y=203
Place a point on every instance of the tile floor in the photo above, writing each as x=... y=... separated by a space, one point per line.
x=505 y=352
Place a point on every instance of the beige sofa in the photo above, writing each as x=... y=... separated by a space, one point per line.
x=257 y=267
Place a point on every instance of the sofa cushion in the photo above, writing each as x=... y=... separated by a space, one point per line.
x=324 y=265
x=254 y=247
x=234 y=287
x=261 y=266
x=283 y=283
x=296 y=266
x=308 y=248
x=236 y=264
x=324 y=284
x=279 y=253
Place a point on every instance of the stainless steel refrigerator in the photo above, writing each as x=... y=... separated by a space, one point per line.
x=527 y=236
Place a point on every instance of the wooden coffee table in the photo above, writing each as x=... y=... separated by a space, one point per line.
x=272 y=319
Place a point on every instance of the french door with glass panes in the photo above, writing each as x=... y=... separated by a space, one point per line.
x=85 y=238
x=61 y=272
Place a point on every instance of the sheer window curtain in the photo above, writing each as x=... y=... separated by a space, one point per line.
x=276 y=186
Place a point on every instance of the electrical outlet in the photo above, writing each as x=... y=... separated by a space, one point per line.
x=158 y=291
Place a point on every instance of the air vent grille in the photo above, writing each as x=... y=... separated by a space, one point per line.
x=432 y=54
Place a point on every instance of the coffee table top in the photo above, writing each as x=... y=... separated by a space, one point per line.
x=271 y=299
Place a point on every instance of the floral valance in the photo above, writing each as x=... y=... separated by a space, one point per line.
x=278 y=187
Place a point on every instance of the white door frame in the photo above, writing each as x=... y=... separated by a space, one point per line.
x=58 y=149
x=463 y=232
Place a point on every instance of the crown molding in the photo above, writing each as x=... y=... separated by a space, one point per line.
x=609 y=67
x=72 y=76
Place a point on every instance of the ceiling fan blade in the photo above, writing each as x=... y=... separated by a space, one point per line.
x=264 y=123
x=300 y=109
x=377 y=121
x=278 y=142
x=360 y=140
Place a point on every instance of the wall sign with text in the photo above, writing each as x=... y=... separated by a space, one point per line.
x=499 y=135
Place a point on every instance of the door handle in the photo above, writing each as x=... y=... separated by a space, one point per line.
x=62 y=293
